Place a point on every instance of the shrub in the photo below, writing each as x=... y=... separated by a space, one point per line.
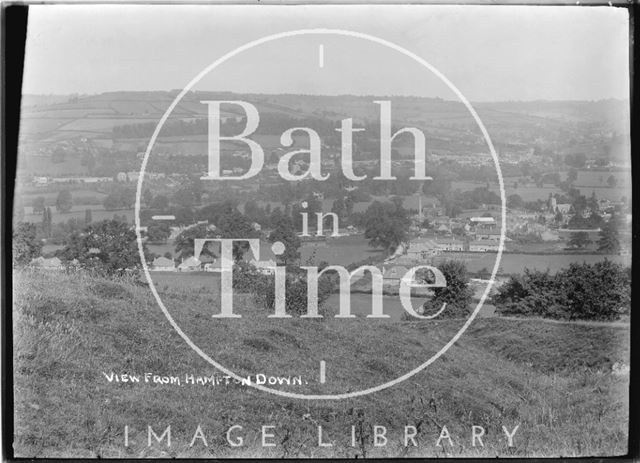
x=600 y=291
x=26 y=246
x=295 y=292
x=457 y=294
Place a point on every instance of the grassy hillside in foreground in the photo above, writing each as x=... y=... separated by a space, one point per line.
x=554 y=380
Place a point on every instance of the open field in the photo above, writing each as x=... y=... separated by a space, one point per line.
x=533 y=193
x=97 y=213
x=553 y=380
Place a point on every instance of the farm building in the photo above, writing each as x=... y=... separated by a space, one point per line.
x=190 y=265
x=162 y=264
x=492 y=234
x=217 y=265
x=482 y=220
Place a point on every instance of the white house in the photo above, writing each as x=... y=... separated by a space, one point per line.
x=484 y=246
x=162 y=264
x=450 y=245
x=422 y=249
x=218 y=265
x=265 y=267
x=489 y=235
x=190 y=265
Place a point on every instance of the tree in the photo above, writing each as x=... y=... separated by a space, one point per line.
x=58 y=155
x=338 y=207
x=572 y=175
x=25 y=244
x=559 y=218
x=64 y=202
x=46 y=222
x=120 y=198
x=457 y=294
x=284 y=231
x=592 y=202
x=579 y=204
x=386 y=225
x=578 y=160
x=185 y=241
x=109 y=247
x=189 y=195
x=160 y=203
x=579 y=240
x=599 y=291
x=147 y=197
x=611 y=181
x=38 y=205
x=608 y=239
x=438 y=187
x=158 y=232
x=235 y=225
x=87 y=216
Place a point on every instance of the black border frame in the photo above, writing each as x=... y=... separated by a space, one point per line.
x=14 y=19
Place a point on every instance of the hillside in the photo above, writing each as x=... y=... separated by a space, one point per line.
x=554 y=380
x=94 y=116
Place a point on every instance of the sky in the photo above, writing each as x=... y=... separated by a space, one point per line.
x=490 y=53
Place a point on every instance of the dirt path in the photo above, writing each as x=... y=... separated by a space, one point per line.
x=567 y=322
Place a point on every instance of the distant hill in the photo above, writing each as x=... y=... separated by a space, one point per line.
x=595 y=128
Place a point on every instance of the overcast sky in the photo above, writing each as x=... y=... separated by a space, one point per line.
x=490 y=53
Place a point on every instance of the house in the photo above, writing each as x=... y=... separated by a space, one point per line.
x=393 y=275
x=484 y=246
x=422 y=249
x=175 y=231
x=450 y=245
x=265 y=267
x=563 y=208
x=490 y=234
x=190 y=265
x=162 y=264
x=549 y=235
x=482 y=221
x=217 y=264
